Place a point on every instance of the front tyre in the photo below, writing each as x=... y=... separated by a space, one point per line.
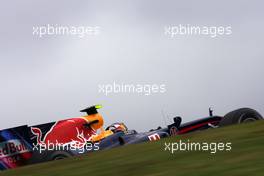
x=242 y=115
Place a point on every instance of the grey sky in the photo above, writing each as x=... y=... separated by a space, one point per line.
x=54 y=77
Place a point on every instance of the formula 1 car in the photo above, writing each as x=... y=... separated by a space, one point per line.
x=56 y=140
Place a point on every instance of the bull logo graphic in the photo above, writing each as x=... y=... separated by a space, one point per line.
x=65 y=132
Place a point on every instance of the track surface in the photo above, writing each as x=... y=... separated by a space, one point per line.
x=245 y=158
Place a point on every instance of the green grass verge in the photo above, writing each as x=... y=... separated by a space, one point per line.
x=245 y=158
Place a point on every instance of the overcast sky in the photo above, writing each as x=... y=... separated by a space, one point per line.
x=51 y=78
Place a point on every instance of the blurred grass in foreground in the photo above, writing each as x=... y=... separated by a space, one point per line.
x=245 y=158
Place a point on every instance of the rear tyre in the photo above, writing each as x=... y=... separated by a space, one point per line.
x=57 y=155
x=242 y=115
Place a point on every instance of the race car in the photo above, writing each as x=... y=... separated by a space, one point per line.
x=80 y=135
x=117 y=134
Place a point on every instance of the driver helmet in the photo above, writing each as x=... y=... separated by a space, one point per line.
x=117 y=127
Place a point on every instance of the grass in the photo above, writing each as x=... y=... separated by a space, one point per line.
x=245 y=158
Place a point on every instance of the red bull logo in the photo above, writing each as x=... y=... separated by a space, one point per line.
x=12 y=147
x=65 y=132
